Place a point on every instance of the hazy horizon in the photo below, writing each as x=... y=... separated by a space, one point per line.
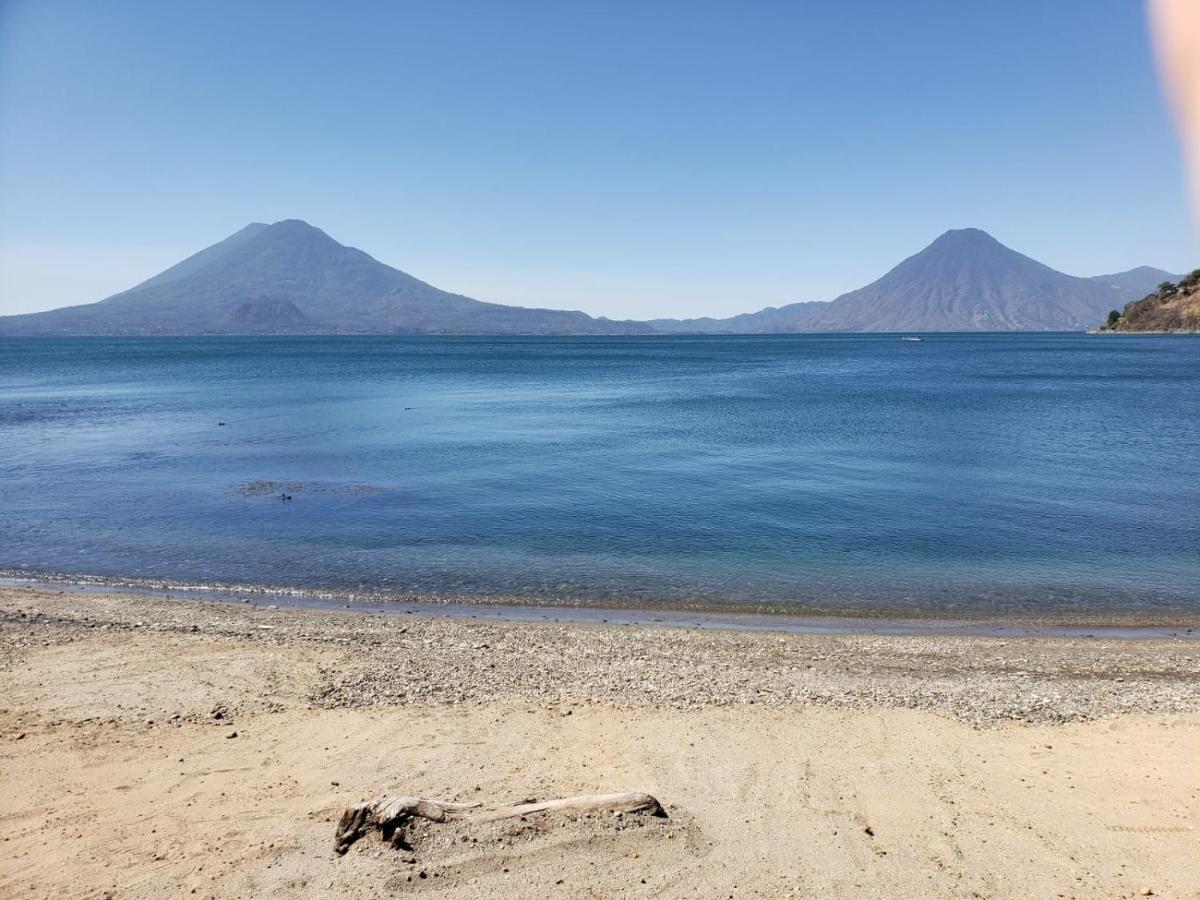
x=638 y=163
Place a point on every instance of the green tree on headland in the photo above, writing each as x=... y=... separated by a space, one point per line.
x=1171 y=308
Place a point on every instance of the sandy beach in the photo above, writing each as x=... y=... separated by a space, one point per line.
x=155 y=747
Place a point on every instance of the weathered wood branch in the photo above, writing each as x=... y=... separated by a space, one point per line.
x=630 y=802
x=390 y=814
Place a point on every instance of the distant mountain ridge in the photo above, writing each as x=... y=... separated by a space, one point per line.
x=1140 y=281
x=292 y=278
x=965 y=280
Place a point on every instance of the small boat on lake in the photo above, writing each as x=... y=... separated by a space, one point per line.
x=912 y=339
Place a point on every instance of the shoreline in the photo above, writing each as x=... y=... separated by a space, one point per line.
x=167 y=746
x=983 y=679
x=783 y=617
x=1179 y=331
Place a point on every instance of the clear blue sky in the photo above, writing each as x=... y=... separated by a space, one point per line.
x=628 y=159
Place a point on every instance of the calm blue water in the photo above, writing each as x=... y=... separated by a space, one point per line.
x=990 y=473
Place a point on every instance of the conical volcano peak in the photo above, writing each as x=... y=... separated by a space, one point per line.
x=291 y=277
x=295 y=226
x=966 y=280
x=295 y=230
x=965 y=250
x=295 y=237
x=965 y=238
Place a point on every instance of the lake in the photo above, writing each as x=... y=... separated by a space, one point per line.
x=995 y=474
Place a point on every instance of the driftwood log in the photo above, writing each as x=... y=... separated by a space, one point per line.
x=390 y=814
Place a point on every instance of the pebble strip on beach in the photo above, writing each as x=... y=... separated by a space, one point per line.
x=384 y=659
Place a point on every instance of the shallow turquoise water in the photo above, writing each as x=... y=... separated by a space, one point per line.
x=964 y=474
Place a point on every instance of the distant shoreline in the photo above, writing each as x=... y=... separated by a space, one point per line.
x=525 y=335
x=1106 y=331
x=687 y=335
